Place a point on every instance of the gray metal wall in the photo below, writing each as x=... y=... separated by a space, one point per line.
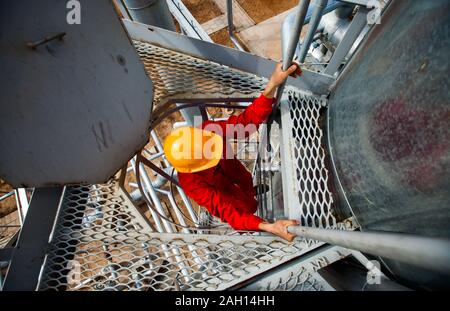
x=389 y=128
x=72 y=110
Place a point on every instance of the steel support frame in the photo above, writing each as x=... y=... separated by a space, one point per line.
x=7 y=195
x=121 y=9
x=287 y=159
x=22 y=203
x=189 y=26
x=356 y=26
x=309 y=263
x=319 y=6
x=313 y=82
x=187 y=22
x=231 y=26
x=29 y=254
x=153 y=12
x=192 y=28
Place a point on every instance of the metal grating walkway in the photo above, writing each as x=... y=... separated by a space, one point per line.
x=179 y=76
x=100 y=242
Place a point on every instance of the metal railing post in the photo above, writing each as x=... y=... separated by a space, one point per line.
x=288 y=54
x=319 y=6
x=231 y=25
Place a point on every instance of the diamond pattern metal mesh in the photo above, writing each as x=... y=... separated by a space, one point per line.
x=306 y=156
x=302 y=280
x=177 y=75
x=100 y=242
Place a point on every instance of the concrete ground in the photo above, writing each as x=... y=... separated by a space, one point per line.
x=264 y=39
x=257 y=23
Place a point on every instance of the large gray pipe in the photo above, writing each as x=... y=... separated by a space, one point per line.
x=429 y=253
x=319 y=6
x=151 y=12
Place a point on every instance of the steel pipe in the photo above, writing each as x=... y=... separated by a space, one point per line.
x=289 y=51
x=155 y=216
x=162 y=224
x=180 y=217
x=289 y=22
x=319 y=6
x=231 y=25
x=150 y=12
x=429 y=253
x=7 y=195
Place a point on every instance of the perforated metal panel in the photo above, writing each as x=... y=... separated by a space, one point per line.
x=100 y=243
x=303 y=273
x=180 y=76
x=302 y=280
x=307 y=195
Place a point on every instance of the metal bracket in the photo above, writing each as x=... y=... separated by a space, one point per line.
x=29 y=254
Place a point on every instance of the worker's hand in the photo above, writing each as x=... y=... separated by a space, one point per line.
x=279 y=228
x=279 y=76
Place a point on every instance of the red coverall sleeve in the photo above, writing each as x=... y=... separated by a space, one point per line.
x=242 y=177
x=255 y=114
x=224 y=206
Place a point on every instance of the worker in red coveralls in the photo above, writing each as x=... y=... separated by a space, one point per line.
x=211 y=175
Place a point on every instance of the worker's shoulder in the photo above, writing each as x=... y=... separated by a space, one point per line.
x=186 y=179
x=196 y=180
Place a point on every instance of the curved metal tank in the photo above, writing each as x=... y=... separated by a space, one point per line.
x=389 y=129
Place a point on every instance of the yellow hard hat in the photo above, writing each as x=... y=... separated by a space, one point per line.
x=191 y=149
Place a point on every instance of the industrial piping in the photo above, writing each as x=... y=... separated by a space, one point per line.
x=319 y=6
x=289 y=21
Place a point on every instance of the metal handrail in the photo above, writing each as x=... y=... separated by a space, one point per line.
x=231 y=26
x=288 y=54
x=425 y=252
